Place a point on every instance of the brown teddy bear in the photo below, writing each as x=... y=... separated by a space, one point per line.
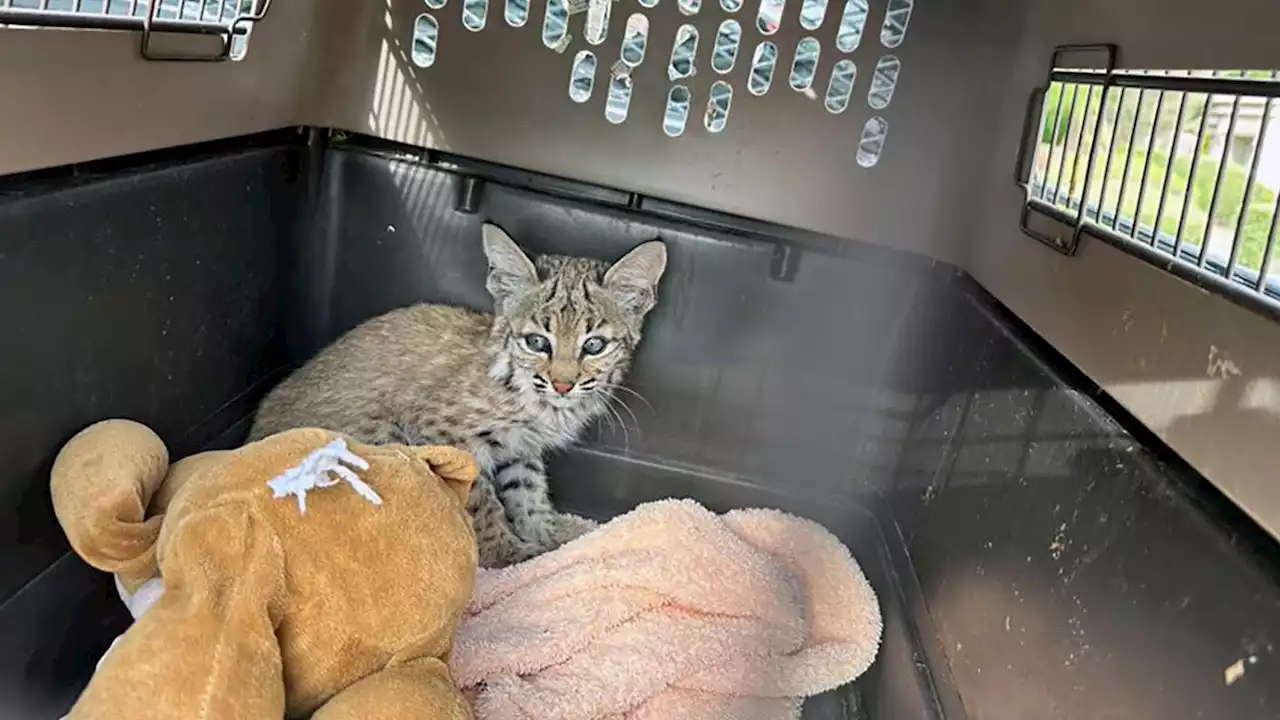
x=303 y=575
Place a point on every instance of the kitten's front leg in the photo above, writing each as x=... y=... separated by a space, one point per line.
x=496 y=541
x=523 y=489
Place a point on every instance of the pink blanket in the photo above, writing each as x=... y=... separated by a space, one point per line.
x=670 y=613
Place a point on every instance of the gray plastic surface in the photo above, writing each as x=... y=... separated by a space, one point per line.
x=1034 y=559
x=941 y=187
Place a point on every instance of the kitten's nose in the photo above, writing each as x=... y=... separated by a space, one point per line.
x=562 y=387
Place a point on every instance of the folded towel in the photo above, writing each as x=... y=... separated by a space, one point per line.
x=669 y=613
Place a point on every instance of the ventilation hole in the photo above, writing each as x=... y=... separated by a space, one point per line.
x=852 y=21
x=763 y=62
x=648 y=3
x=435 y=4
x=872 y=142
x=474 y=14
x=425 y=33
x=689 y=7
x=718 y=106
x=582 y=76
x=619 y=100
x=805 y=64
x=555 y=24
x=517 y=12
x=239 y=46
x=682 y=53
x=725 y=53
x=840 y=87
x=596 y=26
x=895 y=23
x=812 y=13
x=731 y=6
x=883 y=81
x=677 y=111
x=769 y=17
x=634 y=39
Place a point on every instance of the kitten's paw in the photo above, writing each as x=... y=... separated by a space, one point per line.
x=499 y=552
x=564 y=527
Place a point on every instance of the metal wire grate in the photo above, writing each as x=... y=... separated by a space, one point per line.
x=229 y=20
x=1181 y=167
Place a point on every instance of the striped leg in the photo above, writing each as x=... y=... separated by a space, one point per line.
x=498 y=544
x=524 y=492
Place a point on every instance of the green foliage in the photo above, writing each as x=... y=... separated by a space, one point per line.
x=1257 y=219
x=1188 y=197
x=1052 y=99
x=1231 y=195
x=1253 y=238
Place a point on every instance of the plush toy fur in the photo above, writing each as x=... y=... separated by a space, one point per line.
x=346 y=611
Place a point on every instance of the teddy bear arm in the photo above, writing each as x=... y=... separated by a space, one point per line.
x=101 y=482
x=208 y=647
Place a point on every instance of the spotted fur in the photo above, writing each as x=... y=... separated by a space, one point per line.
x=447 y=375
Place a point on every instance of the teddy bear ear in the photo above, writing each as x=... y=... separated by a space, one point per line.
x=456 y=467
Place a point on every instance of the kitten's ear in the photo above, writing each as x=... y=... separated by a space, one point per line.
x=511 y=272
x=634 y=278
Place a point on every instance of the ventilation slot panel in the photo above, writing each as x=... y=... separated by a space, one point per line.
x=883 y=82
x=555 y=25
x=763 y=63
x=871 y=144
x=769 y=16
x=894 y=29
x=682 y=53
x=635 y=40
x=852 y=22
x=516 y=12
x=426 y=33
x=475 y=13
x=618 y=102
x=718 y=106
x=805 y=65
x=582 y=76
x=725 y=52
x=677 y=111
x=840 y=88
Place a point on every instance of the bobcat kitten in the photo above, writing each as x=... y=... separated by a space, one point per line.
x=507 y=386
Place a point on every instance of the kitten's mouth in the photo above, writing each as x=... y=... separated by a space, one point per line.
x=554 y=390
x=558 y=401
x=562 y=394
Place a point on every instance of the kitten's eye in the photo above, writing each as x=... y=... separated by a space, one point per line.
x=537 y=343
x=593 y=346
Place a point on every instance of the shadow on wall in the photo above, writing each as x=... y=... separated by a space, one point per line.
x=398 y=107
x=1240 y=412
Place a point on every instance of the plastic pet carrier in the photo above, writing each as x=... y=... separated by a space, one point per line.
x=988 y=289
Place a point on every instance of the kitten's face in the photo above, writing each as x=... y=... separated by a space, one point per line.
x=568 y=327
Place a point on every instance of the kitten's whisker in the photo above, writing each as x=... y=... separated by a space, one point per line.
x=609 y=419
x=626 y=435
x=626 y=407
x=643 y=399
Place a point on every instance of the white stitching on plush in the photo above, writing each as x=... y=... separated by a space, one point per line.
x=314 y=472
